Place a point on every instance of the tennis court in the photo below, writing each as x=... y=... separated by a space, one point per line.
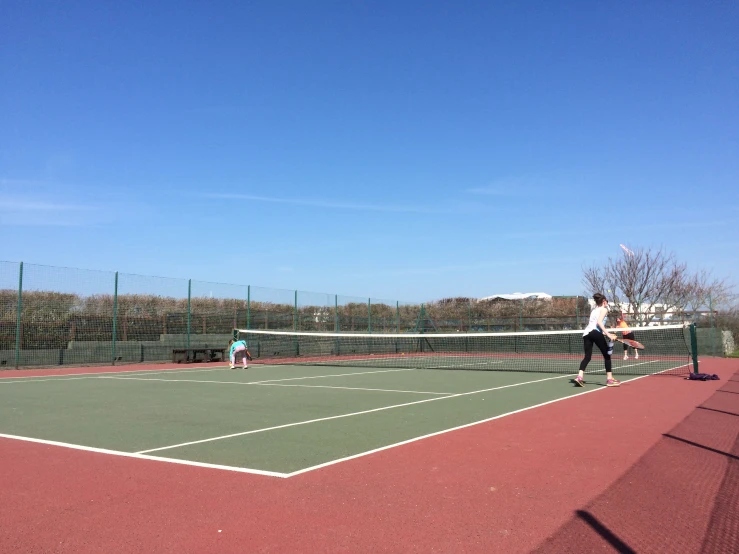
x=277 y=420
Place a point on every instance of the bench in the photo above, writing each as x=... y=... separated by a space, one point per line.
x=208 y=354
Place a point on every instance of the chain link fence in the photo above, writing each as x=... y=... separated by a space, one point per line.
x=53 y=316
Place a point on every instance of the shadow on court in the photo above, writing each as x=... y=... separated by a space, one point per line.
x=682 y=496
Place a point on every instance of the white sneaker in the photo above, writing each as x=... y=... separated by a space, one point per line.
x=626 y=356
x=230 y=366
x=636 y=356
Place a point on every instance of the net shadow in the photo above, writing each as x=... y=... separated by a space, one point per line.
x=682 y=496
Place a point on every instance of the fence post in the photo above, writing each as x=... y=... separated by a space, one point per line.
x=336 y=313
x=577 y=312
x=189 y=311
x=115 y=314
x=18 y=318
x=369 y=315
x=520 y=316
x=295 y=312
x=397 y=316
x=248 y=306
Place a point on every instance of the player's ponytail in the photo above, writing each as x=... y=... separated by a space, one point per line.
x=599 y=299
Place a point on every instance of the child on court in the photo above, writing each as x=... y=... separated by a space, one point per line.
x=627 y=334
x=595 y=334
x=236 y=346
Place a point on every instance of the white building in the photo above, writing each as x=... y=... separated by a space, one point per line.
x=519 y=296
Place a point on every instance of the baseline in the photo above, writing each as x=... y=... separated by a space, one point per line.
x=143 y=456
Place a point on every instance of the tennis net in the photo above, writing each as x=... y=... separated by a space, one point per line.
x=667 y=349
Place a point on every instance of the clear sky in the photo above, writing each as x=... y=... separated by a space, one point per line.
x=400 y=150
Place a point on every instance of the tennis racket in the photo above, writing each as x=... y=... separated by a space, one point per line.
x=631 y=343
x=248 y=356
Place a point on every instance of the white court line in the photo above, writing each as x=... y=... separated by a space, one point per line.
x=334 y=375
x=254 y=431
x=414 y=439
x=261 y=384
x=304 y=470
x=199 y=369
x=462 y=367
x=77 y=376
x=348 y=388
x=143 y=456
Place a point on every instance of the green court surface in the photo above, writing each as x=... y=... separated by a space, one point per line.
x=277 y=419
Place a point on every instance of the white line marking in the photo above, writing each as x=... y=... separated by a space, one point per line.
x=77 y=376
x=465 y=366
x=348 y=388
x=144 y=457
x=335 y=375
x=387 y=447
x=254 y=431
x=261 y=384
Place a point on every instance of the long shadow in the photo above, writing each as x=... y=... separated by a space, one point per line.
x=704 y=447
x=724 y=520
x=715 y=410
x=727 y=391
x=605 y=532
x=668 y=497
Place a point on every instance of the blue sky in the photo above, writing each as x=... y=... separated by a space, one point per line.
x=401 y=150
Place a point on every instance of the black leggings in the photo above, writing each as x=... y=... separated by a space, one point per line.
x=595 y=338
x=627 y=336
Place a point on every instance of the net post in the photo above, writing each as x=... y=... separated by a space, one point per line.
x=694 y=347
x=18 y=326
x=369 y=315
x=189 y=311
x=710 y=319
x=115 y=315
x=248 y=306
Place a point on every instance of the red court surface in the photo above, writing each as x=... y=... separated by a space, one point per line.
x=649 y=467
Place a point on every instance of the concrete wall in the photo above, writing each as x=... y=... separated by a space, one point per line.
x=101 y=352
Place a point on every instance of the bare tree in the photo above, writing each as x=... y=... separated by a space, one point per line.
x=642 y=283
x=709 y=292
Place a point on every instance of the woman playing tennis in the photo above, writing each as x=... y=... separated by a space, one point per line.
x=595 y=334
x=627 y=334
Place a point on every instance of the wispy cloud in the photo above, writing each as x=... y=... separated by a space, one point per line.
x=29 y=210
x=436 y=270
x=531 y=186
x=15 y=205
x=389 y=208
x=32 y=202
x=5 y=182
x=633 y=230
